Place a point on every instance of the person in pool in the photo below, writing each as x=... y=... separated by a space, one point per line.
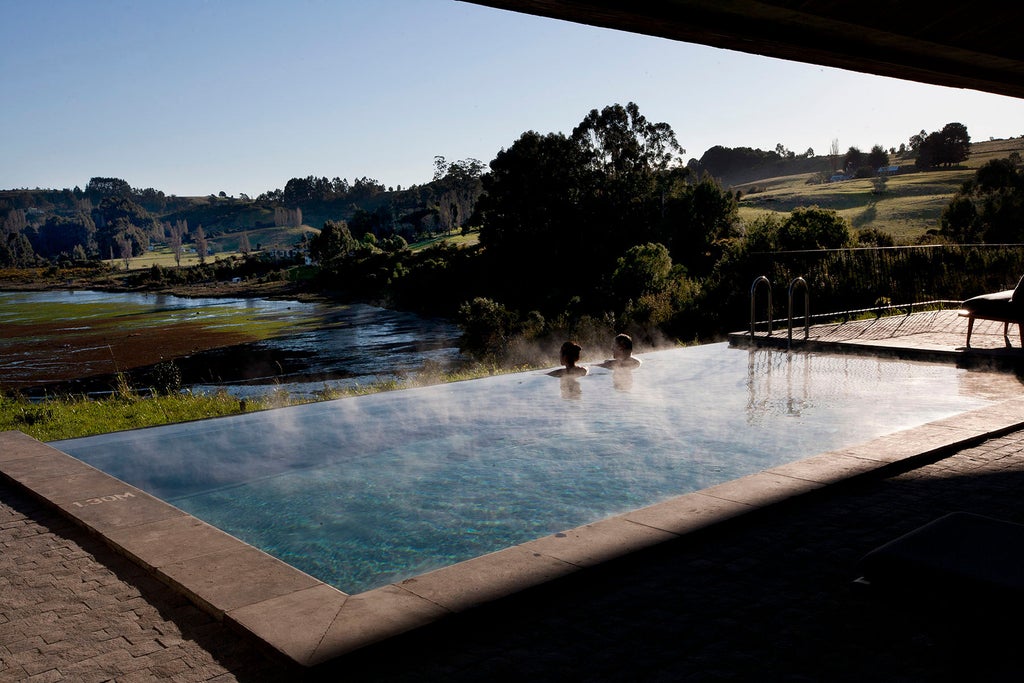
x=569 y=356
x=622 y=354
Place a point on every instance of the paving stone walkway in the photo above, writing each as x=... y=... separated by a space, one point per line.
x=770 y=598
x=72 y=610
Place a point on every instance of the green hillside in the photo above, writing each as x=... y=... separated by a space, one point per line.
x=907 y=206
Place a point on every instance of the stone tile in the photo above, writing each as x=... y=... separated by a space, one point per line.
x=293 y=624
x=599 y=542
x=486 y=578
x=224 y=581
x=1002 y=416
x=374 y=616
x=15 y=445
x=761 y=489
x=106 y=508
x=75 y=483
x=688 y=513
x=827 y=468
x=38 y=465
x=168 y=541
x=909 y=443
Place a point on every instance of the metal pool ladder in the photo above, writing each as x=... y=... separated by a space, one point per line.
x=799 y=282
x=794 y=285
x=753 y=298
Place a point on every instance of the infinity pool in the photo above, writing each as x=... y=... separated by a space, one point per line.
x=361 y=492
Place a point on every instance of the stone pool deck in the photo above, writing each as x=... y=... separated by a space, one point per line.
x=931 y=335
x=750 y=580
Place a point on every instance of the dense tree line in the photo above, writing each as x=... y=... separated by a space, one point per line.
x=110 y=219
x=738 y=165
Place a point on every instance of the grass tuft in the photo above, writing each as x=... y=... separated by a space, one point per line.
x=71 y=417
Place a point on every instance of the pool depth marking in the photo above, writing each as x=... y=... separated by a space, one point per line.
x=103 y=499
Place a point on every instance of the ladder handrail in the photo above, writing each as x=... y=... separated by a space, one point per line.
x=807 y=309
x=753 y=292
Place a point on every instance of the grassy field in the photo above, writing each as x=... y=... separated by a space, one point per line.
x=221 y=246
x=907 y=207
x=467 y=240
x=226 y=246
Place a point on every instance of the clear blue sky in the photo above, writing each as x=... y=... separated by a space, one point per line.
x=198 y=96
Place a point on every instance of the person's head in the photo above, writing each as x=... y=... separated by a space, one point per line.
x=570 y=353
x=622 y=346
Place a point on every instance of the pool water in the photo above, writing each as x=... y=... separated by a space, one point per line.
x=361 y=492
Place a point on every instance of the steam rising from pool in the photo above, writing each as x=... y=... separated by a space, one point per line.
x=360 y=492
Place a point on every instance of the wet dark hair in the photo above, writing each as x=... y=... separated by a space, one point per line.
x=571 y=351
x=624 y=341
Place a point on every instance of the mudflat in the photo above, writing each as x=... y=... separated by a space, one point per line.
x=78 y=342
x=49 y=352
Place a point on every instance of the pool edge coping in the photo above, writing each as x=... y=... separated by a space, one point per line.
x=310 y=622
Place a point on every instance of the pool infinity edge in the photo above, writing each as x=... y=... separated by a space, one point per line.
x=310 y=622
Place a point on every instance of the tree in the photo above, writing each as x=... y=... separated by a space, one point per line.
x=620 y=141
x=533 y=211
x=332 y=245
x=243 y=243
x=459 y=187
x=959 y=222
x=176 y=237
x=287 y=217
x=730 y=162
x=853 y=160
x=58 y=235
x=569 y=207
x=124 y=248
x=643 y=269
x=945 y=147
x=16 y=250
x=102 y=188
x=631 y=162
x=487 y=328
x=873 y=237
x=805 y=228
x=697 y=216
x=956 y=144
x=201 y=245
x=917 y=139
x=878 y=157
x=116 y=214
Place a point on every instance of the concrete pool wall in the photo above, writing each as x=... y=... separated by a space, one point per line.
x=310 y=622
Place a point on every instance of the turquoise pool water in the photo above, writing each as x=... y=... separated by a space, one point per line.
x=361 y=492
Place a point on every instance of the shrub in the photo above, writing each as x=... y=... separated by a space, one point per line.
x=487 y=328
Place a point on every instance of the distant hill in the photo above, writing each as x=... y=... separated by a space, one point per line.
x=907 y=204
x=910 y=204
x=78 y=224
x=732 y=166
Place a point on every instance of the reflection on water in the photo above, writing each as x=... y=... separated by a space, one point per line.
x=570 y=387
x=335 y=347
x=360 y=345
x=622 y=378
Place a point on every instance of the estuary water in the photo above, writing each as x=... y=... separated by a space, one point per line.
x=69 y=341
